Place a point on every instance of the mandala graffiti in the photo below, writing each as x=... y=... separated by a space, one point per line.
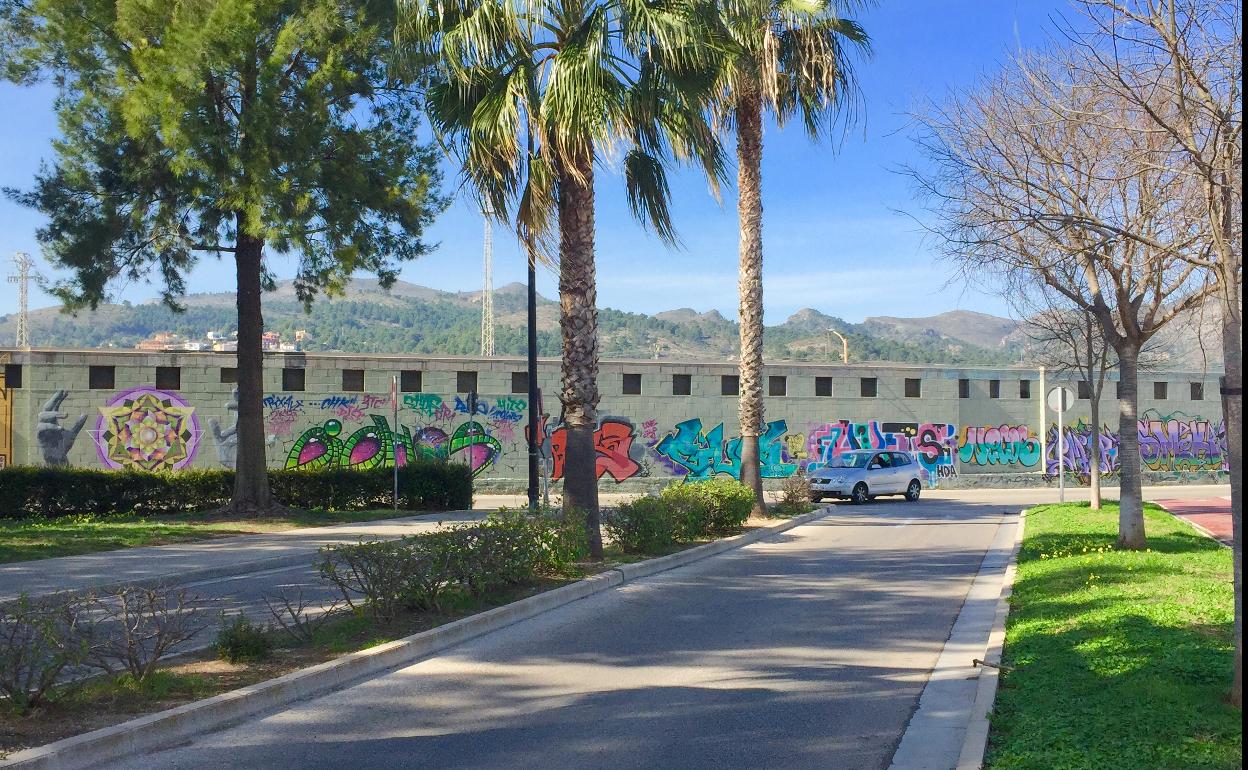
x=147 y=429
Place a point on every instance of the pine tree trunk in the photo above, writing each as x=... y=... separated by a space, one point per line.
x=252 y=496
x=1130 y=504
x=750 y=213
x=578 y=322
x=1094 y=456
x=1233 y=415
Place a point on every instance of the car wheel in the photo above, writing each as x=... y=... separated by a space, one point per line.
x=912 y=491
x=859 y=495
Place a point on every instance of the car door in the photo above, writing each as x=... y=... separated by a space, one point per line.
x=880 y=474
x=904 y=469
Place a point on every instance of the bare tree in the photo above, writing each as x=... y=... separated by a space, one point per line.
x=1068 y=340
x=1179 y=63
x=1039 y=173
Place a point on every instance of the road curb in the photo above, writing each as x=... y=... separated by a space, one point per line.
x=949 y=728
x=976 y=743
x=164 y=728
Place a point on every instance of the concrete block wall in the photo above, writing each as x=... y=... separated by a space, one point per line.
x=652 y=435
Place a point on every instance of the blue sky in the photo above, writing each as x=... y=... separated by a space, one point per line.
x=834 y=234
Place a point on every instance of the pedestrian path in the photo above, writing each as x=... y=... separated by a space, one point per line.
x=185 y=562
x=1211 y=515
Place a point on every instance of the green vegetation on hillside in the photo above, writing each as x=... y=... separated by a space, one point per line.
x=378 y=323
x=1118 y=659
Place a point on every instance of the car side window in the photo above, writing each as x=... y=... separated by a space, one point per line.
x=900 y=459
x=882 y=460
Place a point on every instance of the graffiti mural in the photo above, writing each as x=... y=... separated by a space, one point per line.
x=372 y=446
x=999 y=445
x=935 y=444
x=147 y=429
x=696 y=454
x=614 y=451
x=1168 y=443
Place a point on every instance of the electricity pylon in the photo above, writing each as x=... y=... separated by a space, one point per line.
x=22 y=279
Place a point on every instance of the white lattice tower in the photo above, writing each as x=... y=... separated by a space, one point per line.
x=487 y=289
x=24 y=263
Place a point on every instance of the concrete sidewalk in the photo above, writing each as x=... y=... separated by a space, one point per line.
x=186 y=562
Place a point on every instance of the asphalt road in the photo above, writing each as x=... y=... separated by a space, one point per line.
x=807 y=650
x=246 y=593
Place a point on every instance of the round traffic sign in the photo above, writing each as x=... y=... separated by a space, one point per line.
x=1061 y=399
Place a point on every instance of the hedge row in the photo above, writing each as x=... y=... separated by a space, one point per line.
x=509 y=548
x=680 y=513
x=28 y=491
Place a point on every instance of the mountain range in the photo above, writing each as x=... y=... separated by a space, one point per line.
x=409 y=318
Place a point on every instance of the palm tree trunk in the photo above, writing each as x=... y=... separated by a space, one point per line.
x=750 y=213
x=251 y=479
x=1233 y=416
x=578 y=322
x=1130 y=505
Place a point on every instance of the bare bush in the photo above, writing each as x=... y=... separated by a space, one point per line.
x=795 y=492
x=295 y=616
x=140 y=626
x=39 y=639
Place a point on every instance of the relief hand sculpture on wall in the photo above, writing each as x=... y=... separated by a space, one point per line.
x=54 y=439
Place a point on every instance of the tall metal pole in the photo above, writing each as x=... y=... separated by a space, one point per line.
x=487 y=287
x=22 y=279
x=394 y=404
x=534 y=439
x=1061 y=447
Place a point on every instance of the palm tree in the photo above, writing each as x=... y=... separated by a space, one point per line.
x=791 y=57
x=528 y=93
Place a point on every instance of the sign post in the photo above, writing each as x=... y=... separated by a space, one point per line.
x=1059 y=400
x=394 y=403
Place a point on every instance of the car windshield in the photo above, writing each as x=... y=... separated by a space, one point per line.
x=851 y=460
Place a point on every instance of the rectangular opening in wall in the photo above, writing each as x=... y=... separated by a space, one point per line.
x=1084 y=390
x=12 y=375
x=1118 y=389
x=102 y=377
x=1161 y=391
x=682 y=384
x=353 y=380
x=868 y=387
x=964 y=388
x=823 y=387
x=632 y=384
x=519 y=382
x=292 y=378
x=1198 y=391
x=410 y=381
x=914 y=387
x=777 y=386
x=729 y=385
x=229 y=375
x=1024 y=388
x=169 y=377
x=465 y=382
x=994 y=388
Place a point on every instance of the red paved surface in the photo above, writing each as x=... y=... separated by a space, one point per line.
x=1212 y=514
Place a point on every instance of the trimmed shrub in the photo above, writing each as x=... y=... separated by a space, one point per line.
x=31 y=491
x=241 y=640
x=643 y=525
x=372 y=576
x=728 y=504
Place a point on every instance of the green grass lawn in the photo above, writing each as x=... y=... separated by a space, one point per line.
x=1120 y=659
x=26 y=539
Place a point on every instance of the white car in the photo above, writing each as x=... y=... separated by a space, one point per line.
x=861 y=475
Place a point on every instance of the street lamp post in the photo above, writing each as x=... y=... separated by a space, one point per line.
x=844 y=345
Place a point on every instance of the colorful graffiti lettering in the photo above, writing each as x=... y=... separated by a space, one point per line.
x=613 y=448
x=283 y=401
x=1180 y=443
x=1076 y=449
x=999 y=445
x=934 y=444
x=699 y=455
x=426 y=404
x=372 y=446
x=281 y=422
x=147 y=429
